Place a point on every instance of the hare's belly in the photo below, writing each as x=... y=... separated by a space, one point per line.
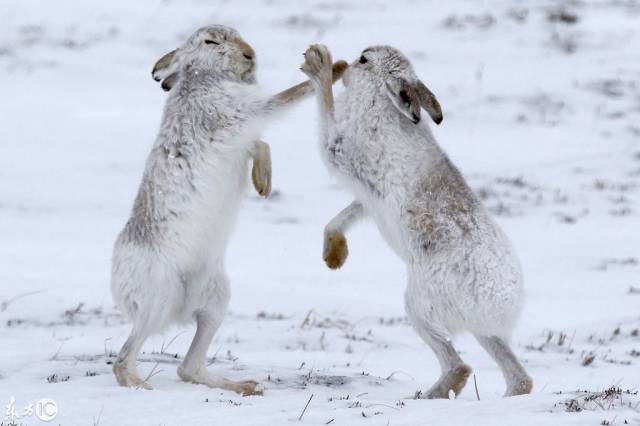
x=212 y=212
x=389 y=225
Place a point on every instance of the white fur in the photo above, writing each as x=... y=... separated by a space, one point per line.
x=472 y=280
x=462 y=272
x=195 y=205
x=168 y=261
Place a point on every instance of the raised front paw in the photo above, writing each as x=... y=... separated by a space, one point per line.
x=261 y=177
x=335 y=250
x=317 y=62
x=261 y=171
x=338 y=69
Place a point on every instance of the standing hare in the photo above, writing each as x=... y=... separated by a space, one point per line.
x=462 y=272
x=168 y=261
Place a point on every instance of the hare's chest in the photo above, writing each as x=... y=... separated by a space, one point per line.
x=355 y=164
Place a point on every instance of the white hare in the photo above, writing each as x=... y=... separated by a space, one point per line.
x=168 y=261
x=462 y=272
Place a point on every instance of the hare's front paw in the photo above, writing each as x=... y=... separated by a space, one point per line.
x=318 y=62
x=338 y=69
x=335 y=249
x=261 y=172
x=261 y=176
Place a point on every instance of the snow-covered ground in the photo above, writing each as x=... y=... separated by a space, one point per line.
x=542 y=115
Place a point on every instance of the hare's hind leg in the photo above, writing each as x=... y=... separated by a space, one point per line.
x=454 y=371
x=124 y=367
x=518 y=381
x=194 y=367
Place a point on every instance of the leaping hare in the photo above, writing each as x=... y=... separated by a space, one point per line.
x=168 y=261
x=462 y=272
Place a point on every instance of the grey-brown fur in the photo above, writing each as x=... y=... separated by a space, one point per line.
x=442 y=198
x=462 y=272
x=168 y=261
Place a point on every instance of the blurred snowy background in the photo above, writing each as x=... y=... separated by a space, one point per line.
x=542 y=107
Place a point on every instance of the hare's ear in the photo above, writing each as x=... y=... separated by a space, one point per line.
x=166 y=69
x=429 y=102
x=404 y=98
x=170 y=81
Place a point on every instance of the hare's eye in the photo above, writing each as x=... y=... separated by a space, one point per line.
x=211 y=42
x=363 y=60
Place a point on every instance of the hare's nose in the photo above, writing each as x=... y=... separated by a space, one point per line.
x=247 y=51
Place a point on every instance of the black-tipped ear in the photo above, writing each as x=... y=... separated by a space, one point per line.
x=429 y=102
x=404 y=98
x=164 y=67
x=169 y=82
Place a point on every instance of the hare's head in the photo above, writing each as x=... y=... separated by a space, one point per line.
x=215 y=48
x=387 y=68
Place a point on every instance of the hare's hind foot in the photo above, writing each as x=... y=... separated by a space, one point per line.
x=517 y=379
x=245 y=387
x=521 y=386
x=124 y=368
x=453 y=380
x=128 y=377
x=193 y=369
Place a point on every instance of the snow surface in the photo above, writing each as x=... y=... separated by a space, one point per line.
x=541 y=115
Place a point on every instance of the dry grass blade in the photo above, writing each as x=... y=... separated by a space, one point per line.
x=381 y=405
x=393 y=373
x=152 y=373
x=163 y=348
x=96 y=421
x=55 y=355
x=307 y=319
x=304 y=410
x=5 y=304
